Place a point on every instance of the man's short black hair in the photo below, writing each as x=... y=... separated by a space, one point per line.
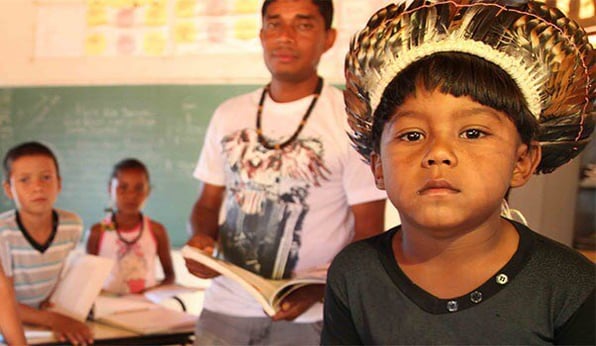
x=26 y=149
x=325 y=8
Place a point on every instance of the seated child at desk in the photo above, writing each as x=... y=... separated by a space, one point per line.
x=454 y=103
x=35 y=238
x=10 y=324
x=128 y=236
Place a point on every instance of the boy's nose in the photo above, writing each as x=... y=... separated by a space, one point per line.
x=38 y=184
x=440 y=152
x=431 y=162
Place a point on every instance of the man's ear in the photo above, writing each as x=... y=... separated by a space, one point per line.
x=376 y=167
x=261 y=33
x=528 y=158
x=330 y=38
x=7 y=192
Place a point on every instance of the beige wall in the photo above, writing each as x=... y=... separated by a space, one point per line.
x=548 y=202
x=19 y=66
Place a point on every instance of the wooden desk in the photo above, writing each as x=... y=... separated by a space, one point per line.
x=108 y=335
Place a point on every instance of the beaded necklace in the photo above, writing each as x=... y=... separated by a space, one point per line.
x=124 y=240
x=266 y=143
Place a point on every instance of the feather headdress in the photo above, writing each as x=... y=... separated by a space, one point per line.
x=547 y=55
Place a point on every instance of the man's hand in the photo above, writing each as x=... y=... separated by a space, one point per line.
x=299 y=301
x=66 y=328
x=206 y=244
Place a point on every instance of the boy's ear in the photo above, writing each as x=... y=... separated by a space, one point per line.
x=7 y=192
x=377 y=169
x=528 y=158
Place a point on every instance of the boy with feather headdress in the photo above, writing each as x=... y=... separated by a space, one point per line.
x=453 y=104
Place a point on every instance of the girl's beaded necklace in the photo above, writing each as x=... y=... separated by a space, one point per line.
x=131 y=242
x=266 y=143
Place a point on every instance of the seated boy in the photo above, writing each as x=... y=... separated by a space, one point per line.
x=454 y=104
x=35 y=238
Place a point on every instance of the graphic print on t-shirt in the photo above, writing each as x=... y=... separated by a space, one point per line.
x=266 y=201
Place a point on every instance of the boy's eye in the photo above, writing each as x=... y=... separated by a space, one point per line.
x=139 y=188
x=46 y=177
x=23 y=180
x=411 y=136
x=473 y=134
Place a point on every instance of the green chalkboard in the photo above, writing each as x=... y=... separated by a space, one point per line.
x=91 y=128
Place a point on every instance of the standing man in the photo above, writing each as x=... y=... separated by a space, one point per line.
x=294 y=190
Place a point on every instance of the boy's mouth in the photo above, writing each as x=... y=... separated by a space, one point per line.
x=437 y=186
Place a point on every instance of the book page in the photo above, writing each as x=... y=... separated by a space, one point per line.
x=107 y=305
x=164 y=292
x=262 y=289
x=79 y=285
x=317 y=277
x=268 y=292
x=151 y=321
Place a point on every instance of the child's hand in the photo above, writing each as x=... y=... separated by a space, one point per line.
x=66 y=328
x=46 y=304
x=299 y=301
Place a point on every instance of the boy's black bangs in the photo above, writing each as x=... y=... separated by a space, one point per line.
x=459 y=74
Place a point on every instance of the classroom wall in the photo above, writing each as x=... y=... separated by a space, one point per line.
x=24 y=24
x=21 y=67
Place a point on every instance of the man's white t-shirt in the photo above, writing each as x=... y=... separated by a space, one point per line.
x=288 y=210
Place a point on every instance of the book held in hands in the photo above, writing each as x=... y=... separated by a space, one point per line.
x=269 y=293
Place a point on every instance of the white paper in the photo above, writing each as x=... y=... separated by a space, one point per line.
x=106 y=305
x=162 y=293
x=59 y=30
x=79 y=285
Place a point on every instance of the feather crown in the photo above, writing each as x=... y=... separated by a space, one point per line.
x=545 y=53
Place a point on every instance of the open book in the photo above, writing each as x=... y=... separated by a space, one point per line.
x=138 y=314
x=268 y=292
x=79 y=284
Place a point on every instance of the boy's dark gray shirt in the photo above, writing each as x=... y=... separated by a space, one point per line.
x=544 y=295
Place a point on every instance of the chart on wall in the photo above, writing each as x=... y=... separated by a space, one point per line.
x=165 y=28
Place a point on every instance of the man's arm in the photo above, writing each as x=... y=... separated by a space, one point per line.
x=204 y=225
x=204 y=218
x=369 y=219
